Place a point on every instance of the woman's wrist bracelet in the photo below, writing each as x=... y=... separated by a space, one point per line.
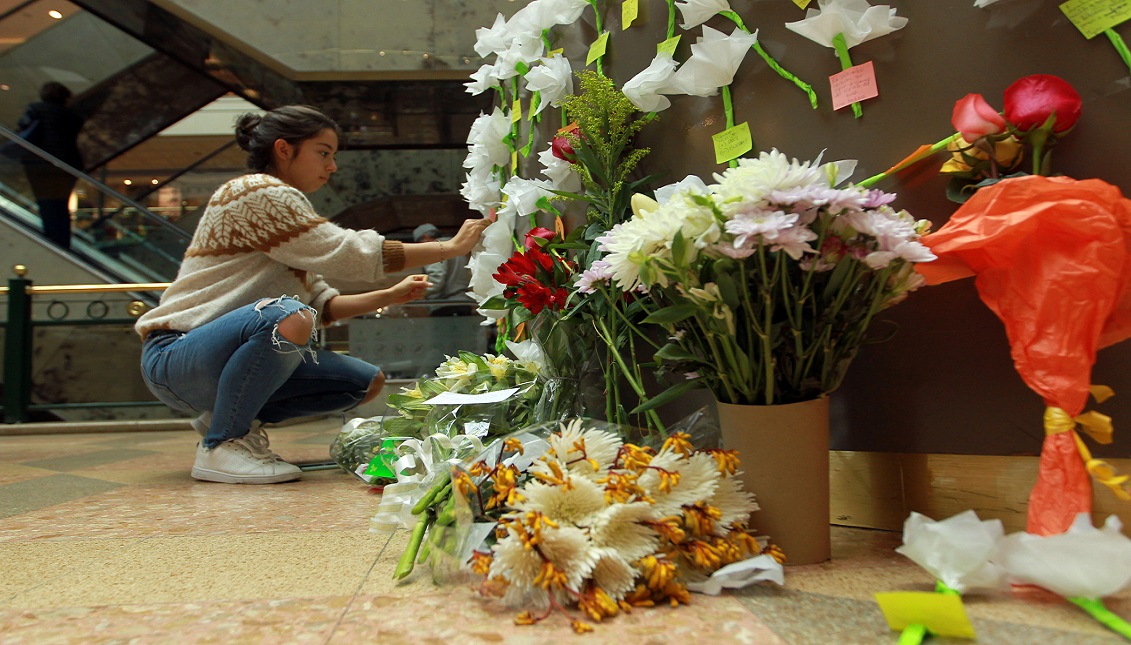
x=441 y=251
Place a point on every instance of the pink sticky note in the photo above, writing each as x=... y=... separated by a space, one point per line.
x=854 y=84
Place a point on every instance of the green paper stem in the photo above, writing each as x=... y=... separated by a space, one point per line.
x=600 y=30
x=943 y=588
x=910 y=161
x=671 y=19
x=1120 y=46
x=774 y=65
x=913 y=634
x=546 y=39
x=1096 y=609
x=841 y=48
x=728 y=109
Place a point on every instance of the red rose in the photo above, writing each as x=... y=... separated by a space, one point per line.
x=561 y=148
x=1031 y=100
x=535 y=234
x=974 y=118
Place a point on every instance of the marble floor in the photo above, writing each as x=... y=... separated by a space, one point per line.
x=104 y=538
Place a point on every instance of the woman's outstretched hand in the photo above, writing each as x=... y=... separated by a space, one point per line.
x=467 y=237
x=408 y=289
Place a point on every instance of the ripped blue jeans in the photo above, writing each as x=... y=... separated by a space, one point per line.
x=241 y=369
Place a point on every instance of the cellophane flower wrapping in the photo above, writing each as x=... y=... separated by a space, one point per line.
x=557 y=516
x=956 y=550
x=1083 y=562
x=767 y=280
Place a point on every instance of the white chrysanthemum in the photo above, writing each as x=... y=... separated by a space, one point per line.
x=575 y=503
x=630 y=245
x=699 y=478
x=613 y=573
x=560 y=172
x=567 y=548
x=735 y=503
x=646 y=89
x=619 y=527
x=755 y=178
x=697 y=12
x=747 y=221
x=553 y=78
x=599 y=445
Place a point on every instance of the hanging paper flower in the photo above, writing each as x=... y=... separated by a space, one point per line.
x=553 y=79
x=856 y=19
x=715 y=58
x=697 y=12
x=559 y=171
x=487 y=139
x=493 y=39
x=646 y=88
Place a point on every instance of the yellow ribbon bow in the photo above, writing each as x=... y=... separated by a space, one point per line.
x=1098 y=427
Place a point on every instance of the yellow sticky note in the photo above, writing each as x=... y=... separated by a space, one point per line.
x=942 y=613
x=514 y=160
x=668 y=46
x=802 y=3
x=1092 y=17
x=555 y=52
x=597 y=49
x=732 y=142
x=628 y=12
x=516 y=111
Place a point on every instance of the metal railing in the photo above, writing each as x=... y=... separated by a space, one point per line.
x=19 y=332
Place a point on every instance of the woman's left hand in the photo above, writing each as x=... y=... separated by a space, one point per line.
x=411 y=288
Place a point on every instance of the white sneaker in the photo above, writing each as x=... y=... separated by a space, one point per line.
x=257 y=435
x=242 y=461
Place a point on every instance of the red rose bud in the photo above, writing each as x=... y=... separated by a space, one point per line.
x=535 y=234
x=1031 y=100
x=561 y=148
x=974 y=118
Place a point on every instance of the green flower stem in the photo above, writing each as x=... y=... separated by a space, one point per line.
x=671 y=19
x=845 y=62
x=1096 y=609
x=728 y=110
x=600 y=30
x=408 y=558
x=774 y=65
x=913 y=634
x=913 y=159
x=1120 y=46
x=603 y=331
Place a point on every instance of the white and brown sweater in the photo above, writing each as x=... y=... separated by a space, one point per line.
x=260 y=238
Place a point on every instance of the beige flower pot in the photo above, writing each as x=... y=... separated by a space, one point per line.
x=785 y=462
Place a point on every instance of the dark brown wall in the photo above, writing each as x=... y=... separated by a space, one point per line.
x=945 y=383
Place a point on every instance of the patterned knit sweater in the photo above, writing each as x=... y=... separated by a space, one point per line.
x=260 y=238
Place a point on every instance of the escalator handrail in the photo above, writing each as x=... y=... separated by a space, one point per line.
x=64 y=166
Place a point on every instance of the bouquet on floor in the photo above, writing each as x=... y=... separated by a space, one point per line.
x=766 y=281
x=571 y=516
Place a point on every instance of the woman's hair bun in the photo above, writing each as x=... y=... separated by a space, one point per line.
x=245 y=130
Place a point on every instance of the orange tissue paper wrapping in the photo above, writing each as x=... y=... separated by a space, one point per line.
x=1052 y=258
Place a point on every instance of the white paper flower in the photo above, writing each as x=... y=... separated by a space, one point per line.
x=741 y=574
x=983 y=3
x=539 y=15
x=715 y=58
x=697 y=12
x=559 y=171
x=1084 y=562
x=497 y=248
x=493 y=39
x=956 y=550
x=523 y=196
x=856 y=19
x=482 y=80
x=553 y=78
x=489 y=131
x=689 y=185
x=482 y=190
x=646 y=89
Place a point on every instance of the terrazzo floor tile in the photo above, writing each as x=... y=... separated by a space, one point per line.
x=26 y=565
x=43 y=492
x=212 y=568
x=288 y=620
x=72 y=462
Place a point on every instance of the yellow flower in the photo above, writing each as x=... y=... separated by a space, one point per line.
x=580 y=626
x=597 y=604
x=499 y=366
x=525 y=618
x=481 y=562
x=679 y=442
x=1007 y=152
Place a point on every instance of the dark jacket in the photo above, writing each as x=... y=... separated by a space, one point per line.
x=57 y=133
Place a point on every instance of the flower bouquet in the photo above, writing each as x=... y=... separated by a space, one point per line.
x=569 y=516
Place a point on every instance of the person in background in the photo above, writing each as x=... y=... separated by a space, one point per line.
x=450 y=278
x=232 y=338
x=56 y=133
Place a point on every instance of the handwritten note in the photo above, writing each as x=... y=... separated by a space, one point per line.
x=732 y=143
x=597 y=49
x=854 y=84
x=454 y=398
x=1093 y=17
x=802 y=3
x=668 y=46
x=628 y=12
x=941 y=613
